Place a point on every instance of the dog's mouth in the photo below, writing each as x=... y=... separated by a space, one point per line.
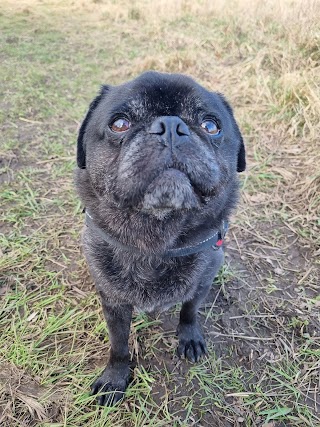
x=168 y=186
x=172 y=190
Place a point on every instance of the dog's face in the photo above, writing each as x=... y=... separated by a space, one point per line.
x=160 y=143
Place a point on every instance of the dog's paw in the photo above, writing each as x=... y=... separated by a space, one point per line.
x=192 y=345
x=111 y=385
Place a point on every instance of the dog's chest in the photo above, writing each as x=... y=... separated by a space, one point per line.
x=148 y=283
x=154 y=285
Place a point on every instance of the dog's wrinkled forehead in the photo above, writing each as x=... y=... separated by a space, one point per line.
x=160 y=95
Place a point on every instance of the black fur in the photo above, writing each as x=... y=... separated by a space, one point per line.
x=241 y=166
x=163 y=183
x=81 y=155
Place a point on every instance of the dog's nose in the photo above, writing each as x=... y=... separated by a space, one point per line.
x=172 y=130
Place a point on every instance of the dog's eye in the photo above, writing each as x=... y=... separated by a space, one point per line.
x=210 y=127
x=120 y=125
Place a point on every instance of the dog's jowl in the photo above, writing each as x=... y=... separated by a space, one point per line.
x=158 y=158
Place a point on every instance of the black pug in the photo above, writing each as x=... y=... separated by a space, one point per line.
x=158 y=158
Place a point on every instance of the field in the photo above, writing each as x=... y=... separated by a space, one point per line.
x=261 y=319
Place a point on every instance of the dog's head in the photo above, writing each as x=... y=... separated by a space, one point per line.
x=160 y=142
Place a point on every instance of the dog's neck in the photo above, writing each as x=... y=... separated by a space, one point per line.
x=213 y=241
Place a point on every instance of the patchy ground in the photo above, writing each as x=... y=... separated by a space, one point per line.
x=262 y=316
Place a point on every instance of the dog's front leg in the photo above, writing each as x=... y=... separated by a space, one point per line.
x=192 y=344
x=116 y=376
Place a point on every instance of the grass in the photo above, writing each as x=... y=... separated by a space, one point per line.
x=262 y=316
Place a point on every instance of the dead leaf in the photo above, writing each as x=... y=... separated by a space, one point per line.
x=34 y=407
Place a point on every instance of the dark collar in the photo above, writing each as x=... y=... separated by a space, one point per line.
x=215 y=241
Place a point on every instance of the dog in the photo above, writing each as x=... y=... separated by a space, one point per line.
x=158 y=160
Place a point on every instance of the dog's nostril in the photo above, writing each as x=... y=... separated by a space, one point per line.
x=182 y=129
x=157 y=128
x=163 y=129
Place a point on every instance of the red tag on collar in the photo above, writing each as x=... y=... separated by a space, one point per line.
x=219 y=242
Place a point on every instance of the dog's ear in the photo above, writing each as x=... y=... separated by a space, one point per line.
x=81 y=152
x=241 y=165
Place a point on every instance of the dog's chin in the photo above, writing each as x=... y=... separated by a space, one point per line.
x=171 y=191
